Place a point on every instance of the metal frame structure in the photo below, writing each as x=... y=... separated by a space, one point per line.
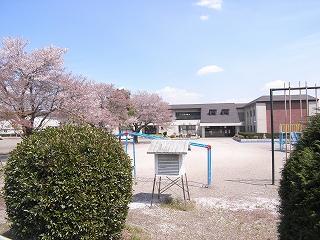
x=153 y=137
x=184 y=186
x=289 y=89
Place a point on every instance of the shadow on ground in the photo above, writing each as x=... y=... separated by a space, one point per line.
x=4 y=157
x=146 y=197
x=257 y=182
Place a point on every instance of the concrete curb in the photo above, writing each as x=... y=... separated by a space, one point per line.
x=254 y=140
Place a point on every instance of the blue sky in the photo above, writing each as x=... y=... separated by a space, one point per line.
x=185 y=50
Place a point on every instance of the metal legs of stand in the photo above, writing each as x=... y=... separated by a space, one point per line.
x=183 y=185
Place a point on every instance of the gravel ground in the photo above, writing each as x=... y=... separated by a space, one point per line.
x=204 y=223
x=240 y=204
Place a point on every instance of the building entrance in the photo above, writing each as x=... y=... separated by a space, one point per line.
x=222 y=131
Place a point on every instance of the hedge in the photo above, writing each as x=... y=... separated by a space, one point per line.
x=300 y=188
x=73 y=182
x=253 y=135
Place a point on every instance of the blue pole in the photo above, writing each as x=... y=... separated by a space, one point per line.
x=280 y=141
x=126 y=143
x=209 y=166
x=134 y=159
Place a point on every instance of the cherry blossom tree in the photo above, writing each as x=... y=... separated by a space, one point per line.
x=99 y=104
x=32 y=84
x=149 y=108
x=115 y=103
x=35 y=85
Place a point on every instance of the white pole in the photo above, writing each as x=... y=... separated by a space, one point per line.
x=307 y=100
x=300 y=103
x=285 y=121
x=290 y=117
x=316 y=93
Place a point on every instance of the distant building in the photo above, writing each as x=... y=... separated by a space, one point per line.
x=227 y=119
x=7 y=129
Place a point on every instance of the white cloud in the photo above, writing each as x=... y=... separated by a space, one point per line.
x=273 y=84
x=209 y=69
x=212 y=4
x=179 y=95
x=204 y=17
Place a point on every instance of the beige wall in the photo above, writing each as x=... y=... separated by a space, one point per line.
x=261 y=118
x=312 y=108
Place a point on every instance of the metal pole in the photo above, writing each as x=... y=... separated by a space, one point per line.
x=286 y=122
x=187 y=185
x=209 y=165
x=294 y=88
x=159 y=188
x=272 y=135
x=300 y=104
x=290 y=118
x=184 y=192
x=126 y=143
x=134 y=158
x=154 y=183
x=316 y=95
x=307 y=100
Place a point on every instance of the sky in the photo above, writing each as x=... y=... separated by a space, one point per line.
x=188 y=51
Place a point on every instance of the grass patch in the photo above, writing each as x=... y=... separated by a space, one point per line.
x=134 y=233
x=178 y=204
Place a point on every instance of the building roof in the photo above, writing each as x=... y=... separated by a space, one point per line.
x=280 y=98
x=168 y=147
x=185 y=106
x=232 y=117
x=240 y=105
x=264 y=98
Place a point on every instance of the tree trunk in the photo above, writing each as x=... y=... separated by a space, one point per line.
x=119 y=137
x=135 y=139
x=27 y=131
x=136 y=129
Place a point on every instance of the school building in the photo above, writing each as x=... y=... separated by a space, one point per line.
x=227 y=119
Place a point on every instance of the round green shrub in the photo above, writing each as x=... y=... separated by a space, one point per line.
x=73 y=182
x=300 y=188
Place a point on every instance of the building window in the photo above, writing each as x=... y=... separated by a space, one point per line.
x=241 y=116
x=188 y=115
x=212 y=112
x=250 y=113
x=187 y=130
x=225 y=112
x=254 y=112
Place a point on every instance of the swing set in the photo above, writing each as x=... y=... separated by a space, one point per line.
x=290 y=131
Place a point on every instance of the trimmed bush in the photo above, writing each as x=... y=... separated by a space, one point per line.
x=254 y=135
x=300 y=188
x=74 y=182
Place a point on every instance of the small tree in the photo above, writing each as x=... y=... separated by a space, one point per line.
x=300 y=187
x=149 y=108
x=73 y=182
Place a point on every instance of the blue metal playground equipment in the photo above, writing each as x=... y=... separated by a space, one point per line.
x=293 y=138
x=289 y=134
x=154 y=137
